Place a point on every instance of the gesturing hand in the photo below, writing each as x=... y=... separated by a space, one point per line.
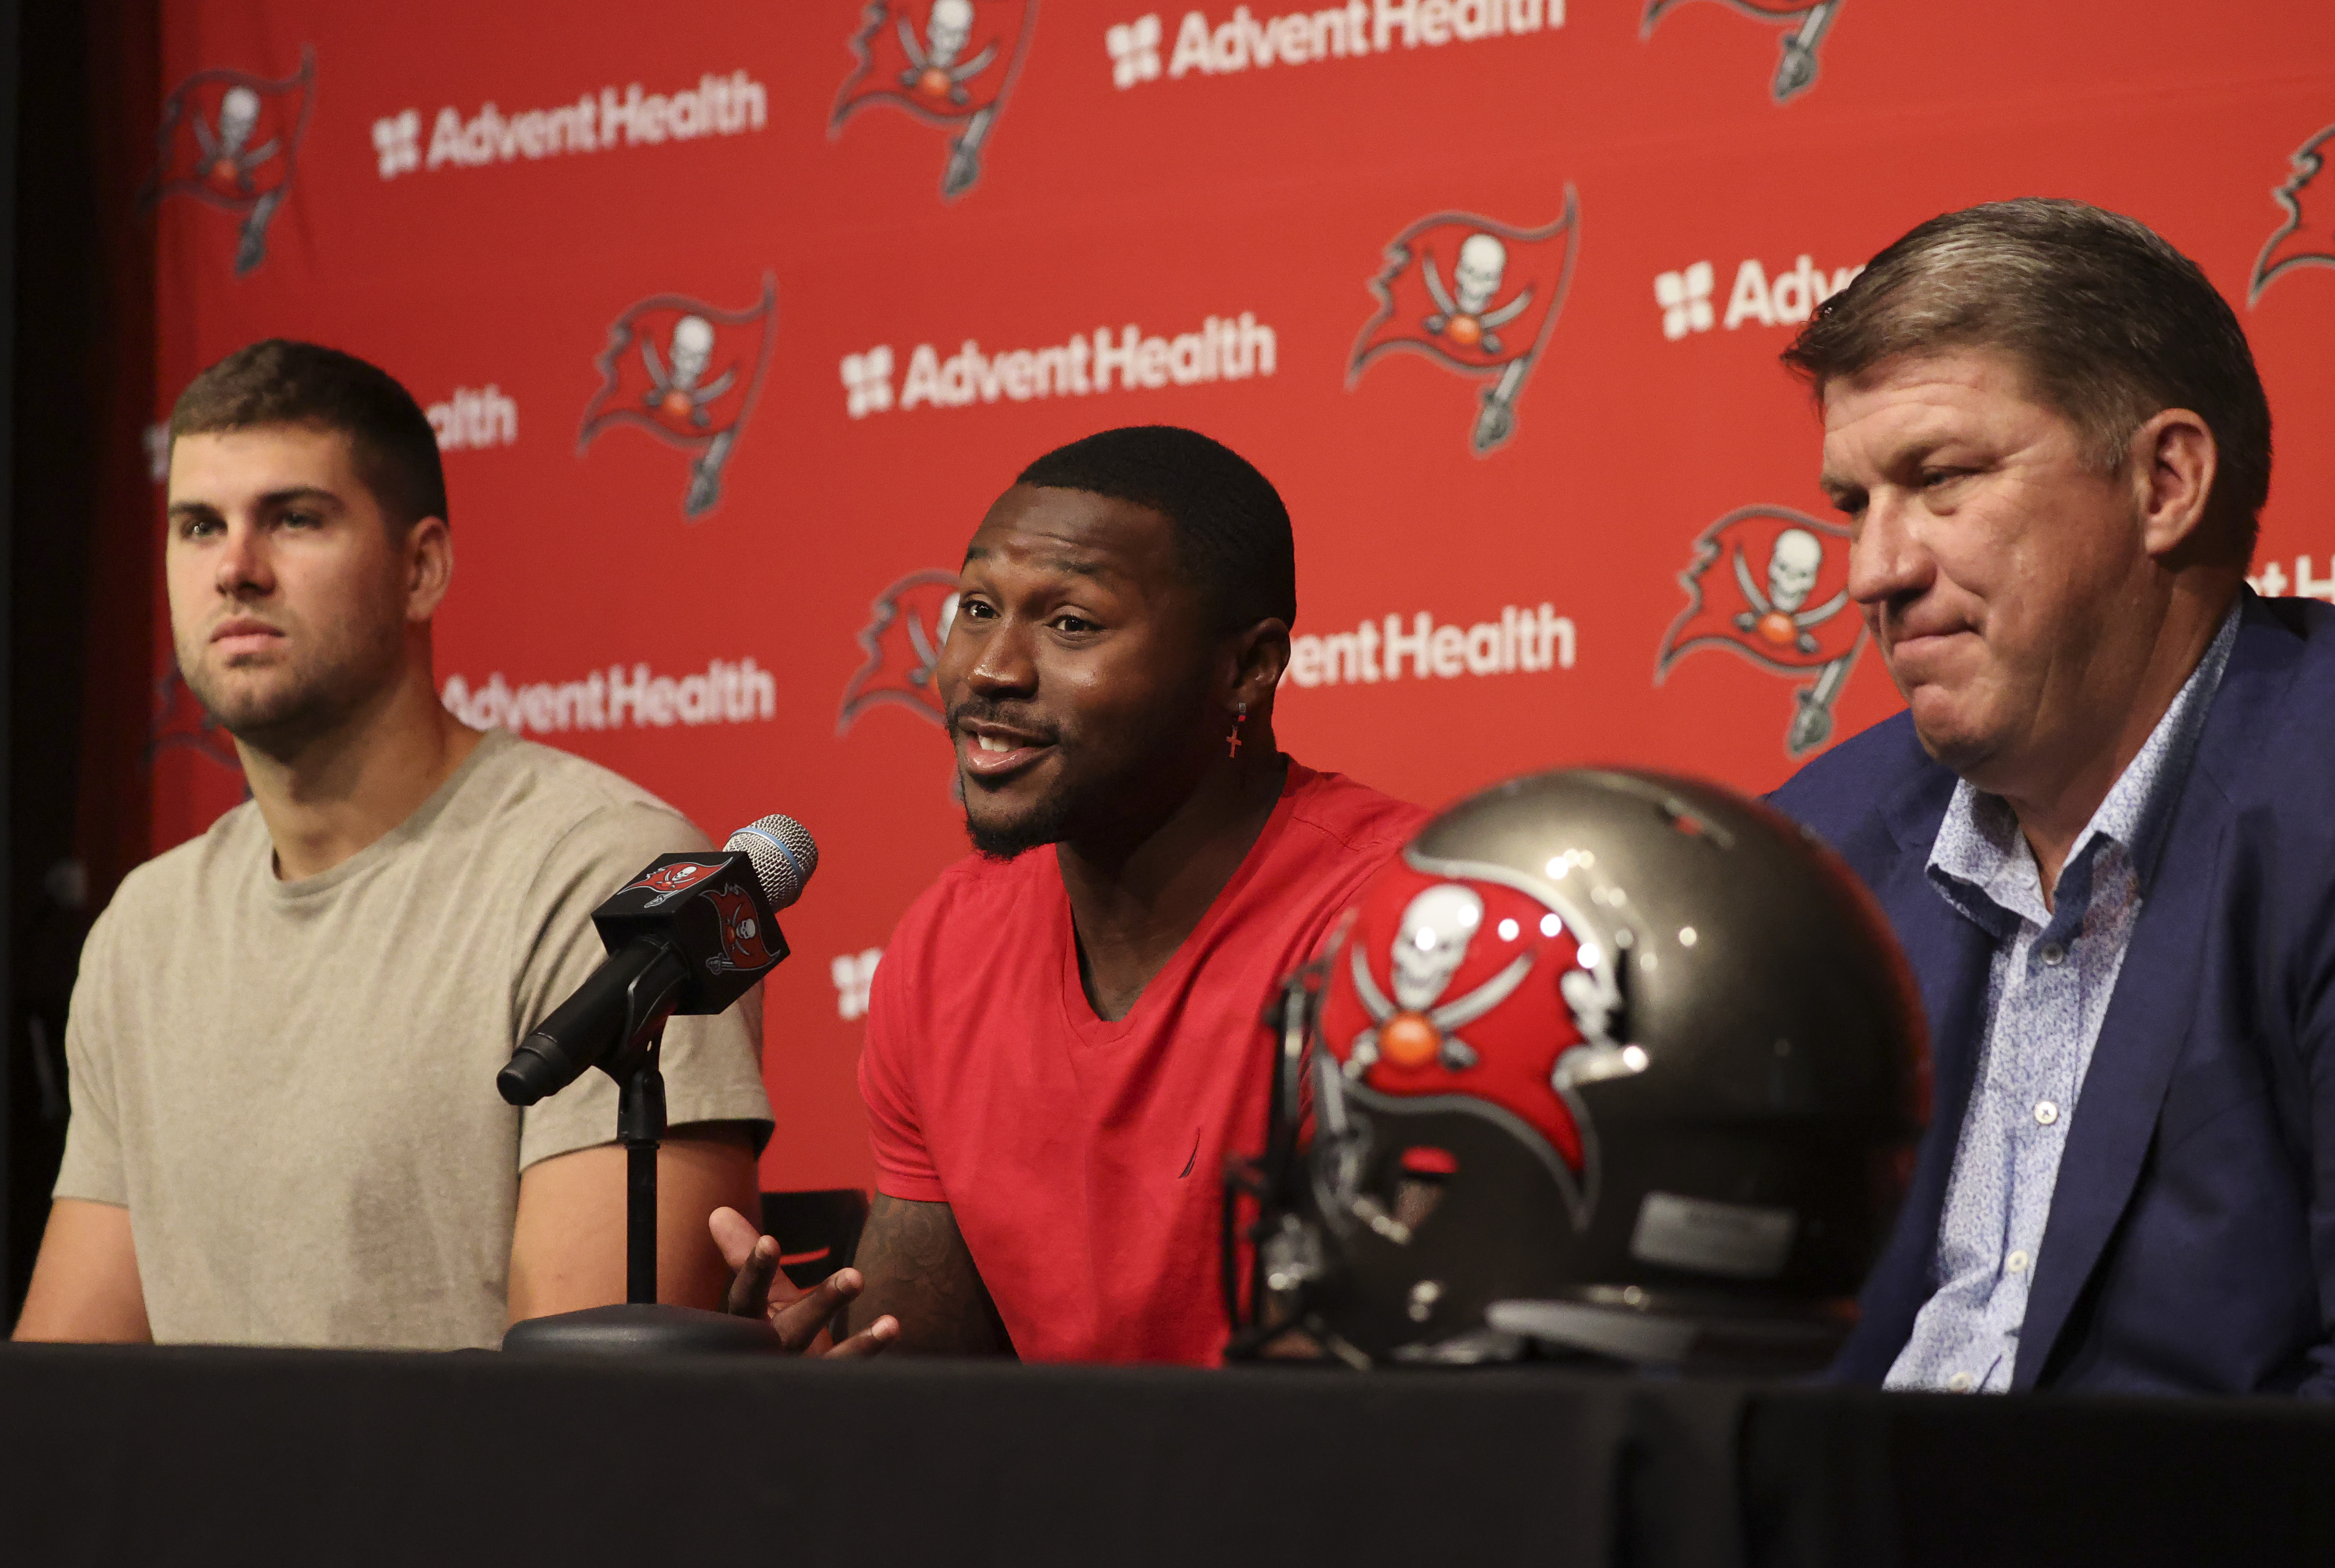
x=801 y=1318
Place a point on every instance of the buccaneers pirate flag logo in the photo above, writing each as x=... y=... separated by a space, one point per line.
x=1804 y=21
x=743 y=947
x=1772 y=585
x=907 y=625
x=951 y=67
x=670 y=882
x=687 y=373
x=2307 y=237
x=230 y=140
x=1478 y=298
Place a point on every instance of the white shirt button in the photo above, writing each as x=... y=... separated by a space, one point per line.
x=2016 y=1262
x=2046 y=1112
x=2053 y=954
x=1961 y=1382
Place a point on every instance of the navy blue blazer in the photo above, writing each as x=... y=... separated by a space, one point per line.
x=2191 y=1241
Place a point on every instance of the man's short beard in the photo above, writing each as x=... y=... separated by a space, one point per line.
x=1048 y=823
x=285 y=720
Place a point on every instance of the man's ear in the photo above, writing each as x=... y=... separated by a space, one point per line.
x=1260 y=654
x=429 y=567
x=2173 y=460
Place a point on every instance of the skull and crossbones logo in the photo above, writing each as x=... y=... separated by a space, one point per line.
x=227 y=157
x=1776 y=615
x=677 y=386
x=938 y=71
x=1466 y=314
x=1418 y=1023
x=1416 y=1026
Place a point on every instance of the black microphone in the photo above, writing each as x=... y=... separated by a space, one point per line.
x=691 y=935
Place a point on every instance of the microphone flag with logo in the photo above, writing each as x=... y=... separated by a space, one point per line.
x=690 y=935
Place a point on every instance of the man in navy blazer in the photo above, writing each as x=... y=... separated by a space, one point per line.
x=2104 y=826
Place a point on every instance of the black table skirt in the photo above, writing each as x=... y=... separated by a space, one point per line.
x=153 y=1457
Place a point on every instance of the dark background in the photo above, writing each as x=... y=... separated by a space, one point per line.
x=73 y=81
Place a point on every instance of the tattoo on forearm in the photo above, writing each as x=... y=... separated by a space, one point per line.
x=919 y=1269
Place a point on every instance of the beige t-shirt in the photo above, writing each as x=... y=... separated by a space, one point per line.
x=291 y=1085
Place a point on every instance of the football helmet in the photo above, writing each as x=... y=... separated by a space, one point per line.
x=1605 y=1061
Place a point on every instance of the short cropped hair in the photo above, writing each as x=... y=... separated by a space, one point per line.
x=2111 y=324
x=1232 y=531
x=282 y=383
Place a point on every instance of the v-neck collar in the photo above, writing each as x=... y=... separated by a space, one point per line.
x=1089 y=1027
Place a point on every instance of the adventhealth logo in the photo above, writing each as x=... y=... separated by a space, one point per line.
x=1685 y=299
x=1789 y=298
x=867 y=381
x=1242 y=42
x=1134 y=51
x=2273 y=582
x=1524 y=640
x=1223 y=348
x=728 y=105
x=475 y=417
x=398 y=143
x=726 y=692
x=854 y=974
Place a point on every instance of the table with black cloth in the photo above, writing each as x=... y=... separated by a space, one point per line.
x=165 y=1456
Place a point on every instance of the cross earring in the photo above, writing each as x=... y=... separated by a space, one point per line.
x=1240 y=717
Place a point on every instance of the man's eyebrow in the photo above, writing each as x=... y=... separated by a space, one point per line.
x=1074 y=566
x=295 y=493
x=291 y=495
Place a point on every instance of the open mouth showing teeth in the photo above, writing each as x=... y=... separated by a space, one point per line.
x=1002 y=744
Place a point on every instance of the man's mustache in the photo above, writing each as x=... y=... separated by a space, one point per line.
x=1011 y=716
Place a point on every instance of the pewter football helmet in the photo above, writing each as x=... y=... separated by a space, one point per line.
x=1605 y=1061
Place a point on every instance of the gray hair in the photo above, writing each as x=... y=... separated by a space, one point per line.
x=2111 y=324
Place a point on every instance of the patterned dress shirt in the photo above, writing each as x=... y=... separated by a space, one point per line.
x=2048 y=991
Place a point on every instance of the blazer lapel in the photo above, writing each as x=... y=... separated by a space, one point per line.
x=2149 y=1016
x=2147 y=1021
x=1950 y=956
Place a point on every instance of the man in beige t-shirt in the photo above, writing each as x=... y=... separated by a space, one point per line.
x=286 y=1033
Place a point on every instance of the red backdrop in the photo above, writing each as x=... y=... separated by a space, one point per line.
x=735 y=317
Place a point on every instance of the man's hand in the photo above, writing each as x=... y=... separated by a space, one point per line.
x=802 y=1319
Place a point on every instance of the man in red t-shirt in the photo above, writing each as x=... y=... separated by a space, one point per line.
x=1063 y=1042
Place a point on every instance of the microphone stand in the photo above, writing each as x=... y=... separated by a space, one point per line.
x=640 y=1127
x=640 y=1325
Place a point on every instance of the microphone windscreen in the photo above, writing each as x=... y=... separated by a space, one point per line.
x=783 y=853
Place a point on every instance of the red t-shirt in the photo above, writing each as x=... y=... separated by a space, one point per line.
x=1084 y=1159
